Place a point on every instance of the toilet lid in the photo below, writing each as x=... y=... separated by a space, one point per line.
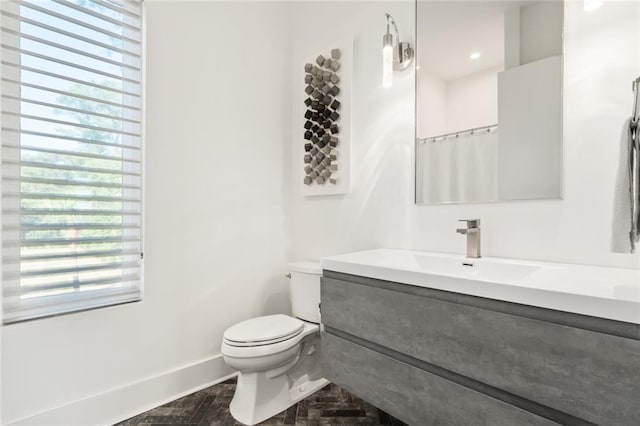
x=264 y=329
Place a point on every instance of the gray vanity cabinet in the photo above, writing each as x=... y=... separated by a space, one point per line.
x=412 y=394
x=435 y=357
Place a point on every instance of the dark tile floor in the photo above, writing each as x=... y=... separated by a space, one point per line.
x=328 y=407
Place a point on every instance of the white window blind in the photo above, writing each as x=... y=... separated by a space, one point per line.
x=71 y=155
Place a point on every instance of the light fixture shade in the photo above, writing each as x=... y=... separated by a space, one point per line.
x=591 y=5
x=387 y=60
x=396 y=57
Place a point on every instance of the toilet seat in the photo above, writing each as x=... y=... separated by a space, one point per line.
x=232 y=349
x=260 y=331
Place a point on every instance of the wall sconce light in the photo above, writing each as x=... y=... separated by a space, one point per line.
x=396 y=56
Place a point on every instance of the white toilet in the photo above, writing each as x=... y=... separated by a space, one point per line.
x=278 y=356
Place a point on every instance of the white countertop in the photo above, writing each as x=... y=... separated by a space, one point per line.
x=612 y=293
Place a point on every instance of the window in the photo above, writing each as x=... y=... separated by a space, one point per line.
x=71 y=155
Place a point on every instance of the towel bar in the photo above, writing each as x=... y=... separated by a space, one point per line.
x=636 y=100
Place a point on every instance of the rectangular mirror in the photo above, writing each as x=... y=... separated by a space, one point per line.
x=488 y=101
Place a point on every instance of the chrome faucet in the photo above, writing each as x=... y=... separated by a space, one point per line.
x=472 y=231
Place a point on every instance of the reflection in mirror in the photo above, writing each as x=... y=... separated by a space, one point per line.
x=488 y=101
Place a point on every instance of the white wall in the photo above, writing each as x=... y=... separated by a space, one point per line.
x=217 y=116
x=458 y=104
x=431 y=113
x=540 y=31
x=533 y=32
x=530 y=134
x=472 y=100
x=379 y=211
x=376 y=211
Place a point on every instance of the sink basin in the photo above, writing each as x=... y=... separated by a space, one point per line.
x=612 y=293
x=483 y=269
x=479 y=269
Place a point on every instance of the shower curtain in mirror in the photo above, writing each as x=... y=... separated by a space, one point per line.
x=460 y=169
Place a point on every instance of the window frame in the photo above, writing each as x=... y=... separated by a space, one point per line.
x=81 y=301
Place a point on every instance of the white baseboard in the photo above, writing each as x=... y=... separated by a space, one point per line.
x=126 y=401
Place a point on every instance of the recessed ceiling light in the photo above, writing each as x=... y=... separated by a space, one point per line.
x=475 y=55
x=591 y=5
x=418 y=67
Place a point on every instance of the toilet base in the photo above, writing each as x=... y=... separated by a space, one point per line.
x=259 y=397
x=269 y=384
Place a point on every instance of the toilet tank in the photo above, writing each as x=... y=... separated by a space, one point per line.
x=304 y=286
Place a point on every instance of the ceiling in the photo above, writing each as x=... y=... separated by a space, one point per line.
x=449 y=31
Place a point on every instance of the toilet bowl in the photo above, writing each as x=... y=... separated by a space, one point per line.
x=277 y=356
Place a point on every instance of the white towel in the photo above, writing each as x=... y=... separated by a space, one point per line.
x=625 y=206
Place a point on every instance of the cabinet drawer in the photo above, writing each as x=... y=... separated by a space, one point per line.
x=589 y=375
x=411 y=394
